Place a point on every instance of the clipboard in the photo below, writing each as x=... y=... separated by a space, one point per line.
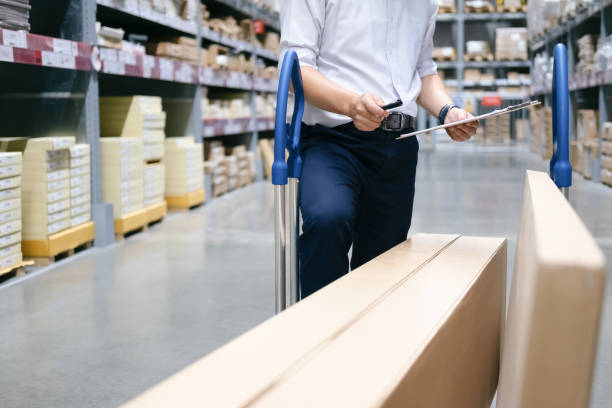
x=497 y=112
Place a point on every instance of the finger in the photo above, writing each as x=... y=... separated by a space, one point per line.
x=379 y=101
x=373 y=108
x=459 y=135
x=464 y=134
x=367 y=123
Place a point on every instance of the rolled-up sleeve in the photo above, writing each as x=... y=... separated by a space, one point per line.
x=426 y=65
x=301 y=28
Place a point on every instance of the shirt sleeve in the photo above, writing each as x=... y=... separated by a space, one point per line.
x=301 y=27
x=426 y=65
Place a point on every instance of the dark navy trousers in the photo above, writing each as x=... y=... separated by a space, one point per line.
x=357 y=188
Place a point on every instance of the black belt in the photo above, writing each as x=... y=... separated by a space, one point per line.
x=397 y=121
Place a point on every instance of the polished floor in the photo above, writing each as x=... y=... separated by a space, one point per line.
x=102 y=327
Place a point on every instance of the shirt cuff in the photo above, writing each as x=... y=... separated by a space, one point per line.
x=306 y=56
x=428 y=67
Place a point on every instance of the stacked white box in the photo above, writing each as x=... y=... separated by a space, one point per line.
x=80 y=184
x=46 y=187
x=123 y=174
x=154 y=183
x=10 y=209
x=184 y=166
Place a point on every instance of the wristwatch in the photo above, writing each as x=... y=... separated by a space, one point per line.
x=444 y=111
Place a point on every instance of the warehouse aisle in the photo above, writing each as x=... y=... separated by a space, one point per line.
x=110 y=323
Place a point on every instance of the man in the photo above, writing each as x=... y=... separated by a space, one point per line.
x=357 y=185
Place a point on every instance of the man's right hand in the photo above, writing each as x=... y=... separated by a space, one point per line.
x=366 y=112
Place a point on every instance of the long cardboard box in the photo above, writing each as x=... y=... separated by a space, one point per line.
x=433 y=300
x=555 y=305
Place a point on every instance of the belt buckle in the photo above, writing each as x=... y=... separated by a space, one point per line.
x=393 y=122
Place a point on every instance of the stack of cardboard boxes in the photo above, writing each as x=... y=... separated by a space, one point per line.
x=141 y=118
x=183 y=48
x=123 y=174
x=10 y=209
x=80 y=185
x=245 y=174
x=229 y=168
x=606 y=155
x=585 y=148
x=216 y=167
x=540 y=124
x=511 y=43
x=45 y=185
x=497 y=130
x=184 y=167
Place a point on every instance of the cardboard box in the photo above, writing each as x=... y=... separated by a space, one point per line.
x=10 y=227
x=11 y=260
x=10 y=215
x=10 y=193
x=555 y=305
x=12 y=182
x=511 y=43
x=80 y=219
x=395 y=308
x=10 y=239
x=587 y=124
x=10 y=158
x=80 y=199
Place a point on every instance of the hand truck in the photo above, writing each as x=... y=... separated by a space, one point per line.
x=287 y=172
x=560 y=167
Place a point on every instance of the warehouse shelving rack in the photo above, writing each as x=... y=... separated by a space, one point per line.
x=458 y=21
x=65 y=68
x=586 y=91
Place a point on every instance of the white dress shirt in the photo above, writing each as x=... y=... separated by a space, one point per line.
x=367 y=46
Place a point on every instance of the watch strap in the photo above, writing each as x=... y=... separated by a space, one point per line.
x=444 y=111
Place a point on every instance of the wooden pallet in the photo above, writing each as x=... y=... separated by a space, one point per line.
x=478 y=57
x=511 y=59
x=486 y=8
x=63 y=244
x=14 y=271
x=446 y=10
x=156 y=212
x=512 y=9
x=441 y=59
x=188 y=201
x=130 y=223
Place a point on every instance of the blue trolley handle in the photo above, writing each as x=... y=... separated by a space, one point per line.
x=560 y=166
x=286 y=223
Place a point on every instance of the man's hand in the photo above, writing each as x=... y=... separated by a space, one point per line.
x=460 y=133
x=366 y=112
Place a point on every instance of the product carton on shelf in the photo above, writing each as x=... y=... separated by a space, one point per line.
x=10 y=210
x=45 y=184
x=511 y=43
x=123 y=174
x=587 y=124
x=184 y=166
x=154 y=183
x=80 y=184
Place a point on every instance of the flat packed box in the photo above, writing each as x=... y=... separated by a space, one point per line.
x=80 y=209
x=10 y=170
x=80 y=219
x=10 y=193
x=42 y=207
x=80 y=150
x=43 y=231
x=587 y=124
x=40 y=217
x=386 y=334
x=9 y=239
x=80 y=171
x=10 y=250
x=10 y=158
x=80 y=199
x=11 y=260
x=10 y=204
x=10 y=215
x=11 y=182
x=10 y=227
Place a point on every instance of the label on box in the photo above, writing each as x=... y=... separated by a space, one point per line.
x=17 y=39
x=57 y=175
x=65 y=47
x=11 y=260
x=10 y=227
x=78 y=180
x=57 y=195
x=79 y=161
x=79 y=171
x=80 y=190
x=11 y=193
x=78 y=200
x=10 y=250
x=8 y=205
x=80 y=209
x=55 y=217
x=58 y=206
x=58 y=226
x=10 y=182
x=57 y=185
x=10 y=216
x=6 y=54
x=10 y=239
x=81 y=219
x=51 y=59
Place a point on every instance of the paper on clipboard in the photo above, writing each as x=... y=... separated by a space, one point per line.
x=497 y=112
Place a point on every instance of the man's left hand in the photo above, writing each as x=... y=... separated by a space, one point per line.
x=460 y=133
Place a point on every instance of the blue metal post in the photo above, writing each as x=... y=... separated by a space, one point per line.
x=560 y=167
x=287 y=137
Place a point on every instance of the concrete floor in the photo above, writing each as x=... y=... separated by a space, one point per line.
x=98 y=329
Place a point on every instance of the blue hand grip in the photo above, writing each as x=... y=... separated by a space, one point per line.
x=560 y=167
x=288 y=136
